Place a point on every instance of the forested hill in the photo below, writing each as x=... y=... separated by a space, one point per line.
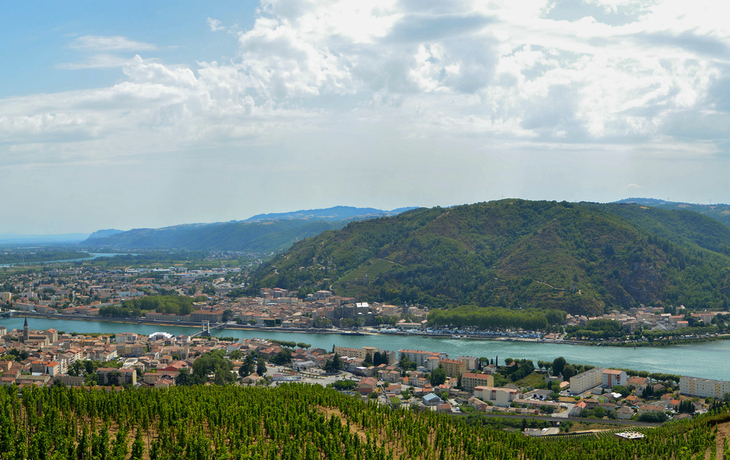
x=262 y=233
x=577 y=257
x=233 y=236
x=719 y=212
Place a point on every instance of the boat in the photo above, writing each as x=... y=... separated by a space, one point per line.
x=351 y=333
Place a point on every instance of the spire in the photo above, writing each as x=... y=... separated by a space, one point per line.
x=25 y=324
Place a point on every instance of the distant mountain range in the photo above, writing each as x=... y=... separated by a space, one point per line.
x=584 y=258
x=263 y=233
x=720 y=212
x=334 y=214
x=12 y=238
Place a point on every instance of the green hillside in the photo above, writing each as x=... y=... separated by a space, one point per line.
x=299 y=422
x=263 y=233
x=719 y=212
x=266 y=236
x=577 y=257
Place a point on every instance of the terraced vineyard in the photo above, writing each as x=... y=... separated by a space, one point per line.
x=292 y=422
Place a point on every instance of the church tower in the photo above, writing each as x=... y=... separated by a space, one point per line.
x=26 y=332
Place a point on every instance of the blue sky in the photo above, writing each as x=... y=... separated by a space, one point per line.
x=146 y=114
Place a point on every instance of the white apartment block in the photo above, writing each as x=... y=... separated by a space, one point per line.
x=498 y=396
x=420 y=357
x=587 y=380
x=695 y=386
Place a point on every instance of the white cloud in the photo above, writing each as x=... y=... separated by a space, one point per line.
x=502 y=73
x=109 y=43
x=99 y=61
x=215 y=25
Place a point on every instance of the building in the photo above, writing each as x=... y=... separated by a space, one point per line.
x=367 y=385
x=613 y=377
x=499 y=396
x=26 y=331
x=629 y=436
x=471 y=362
x=470 y=381
x=357 y=352
x=695 y=386
x=453 y=367
x=587 y=380
x=124 y=375
x=420 y=357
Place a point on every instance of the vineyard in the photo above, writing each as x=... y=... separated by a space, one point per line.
x=292 y=422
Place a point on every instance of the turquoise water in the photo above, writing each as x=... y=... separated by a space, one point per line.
x=709 y=360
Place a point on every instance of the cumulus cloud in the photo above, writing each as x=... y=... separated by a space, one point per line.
x=215 y=25
x=516 y=73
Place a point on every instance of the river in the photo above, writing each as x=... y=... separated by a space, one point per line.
x=707 y=360
x=94 y=255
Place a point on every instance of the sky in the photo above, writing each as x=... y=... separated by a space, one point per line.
x=148 y=114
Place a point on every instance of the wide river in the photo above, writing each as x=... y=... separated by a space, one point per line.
x=709 y=360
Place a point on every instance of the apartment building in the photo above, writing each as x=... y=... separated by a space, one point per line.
x=695 y=386
x=498 y=396
x=469 y=381
x=420 y=357
x=587 y=380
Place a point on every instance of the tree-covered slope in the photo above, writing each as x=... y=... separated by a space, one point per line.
x=577 y=257
x=719 y=212
x=234 y=236
x=262 y=233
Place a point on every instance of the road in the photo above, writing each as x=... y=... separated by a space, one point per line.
x=572 y=419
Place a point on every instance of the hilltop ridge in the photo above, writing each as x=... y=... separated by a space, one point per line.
x=579 y=257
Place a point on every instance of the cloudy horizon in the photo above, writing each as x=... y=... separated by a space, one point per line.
x=139 y=115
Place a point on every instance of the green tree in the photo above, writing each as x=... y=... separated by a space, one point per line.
x=568 y=371
x=235 y=355
x=334 y=364
x=438 y=376
x=247 y=367
x=261 y=367
x=558 y=365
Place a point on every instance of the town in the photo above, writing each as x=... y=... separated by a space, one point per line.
x=428 y=380
x=216 y=296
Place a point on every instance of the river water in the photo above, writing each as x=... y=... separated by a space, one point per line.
x=708 y=360
x=94 y=255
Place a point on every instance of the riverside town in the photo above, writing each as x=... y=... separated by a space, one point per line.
x=554 y=394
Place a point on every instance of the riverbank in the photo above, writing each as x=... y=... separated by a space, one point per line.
x=468 y=337
x=684 y=359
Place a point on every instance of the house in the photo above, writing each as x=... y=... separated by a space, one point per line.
x=639 y=384
x=367 y=385
x=624 y=413
x=106 y=376
x=478 y=404
x=651 y=409
x=576 y=410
